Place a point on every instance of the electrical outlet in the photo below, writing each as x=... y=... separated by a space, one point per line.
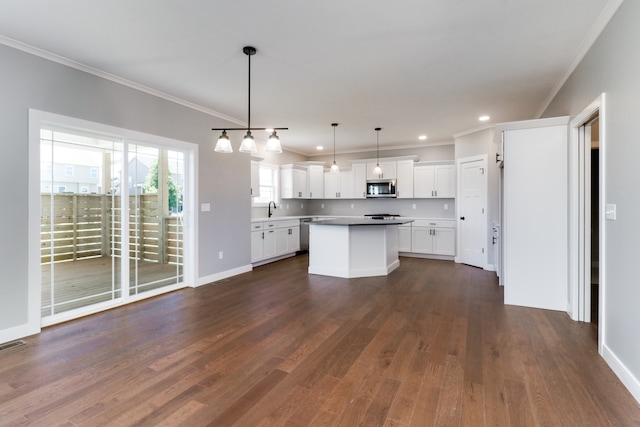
x=301 y=206
x=446 y=206
x=287 y=205
x=321 y=205
x=413 y=206
x=352 y=205
x=220 y=255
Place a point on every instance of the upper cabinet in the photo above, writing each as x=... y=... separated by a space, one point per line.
x=404 y=180
x=359 y=173
x=293 y=182
x=339 y=185
x=255 y=178
x=434 y=181
x=315 y=181
x=389 y=170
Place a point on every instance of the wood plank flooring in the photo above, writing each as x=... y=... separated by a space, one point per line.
x=431 y=344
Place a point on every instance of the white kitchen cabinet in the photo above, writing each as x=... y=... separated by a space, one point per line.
x=404 y=181
x=315 y=178
x=359 y=171
x=338 y=184
x=346 y=184
x=287 y=237
x=389 y=170
x=331 y=184
x=272 y=239
x=255 y=178
x=433 y=237
x=293 y=182
x=404 y=238
x=434 y=181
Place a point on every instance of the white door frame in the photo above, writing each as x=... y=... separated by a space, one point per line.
x=485 y=161
x=579 y=214
x=190 y=150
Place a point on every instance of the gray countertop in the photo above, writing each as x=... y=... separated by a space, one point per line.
x=362 y=221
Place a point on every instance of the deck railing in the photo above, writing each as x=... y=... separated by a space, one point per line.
x=77 y=226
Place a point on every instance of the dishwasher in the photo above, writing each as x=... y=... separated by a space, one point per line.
x=304 y=235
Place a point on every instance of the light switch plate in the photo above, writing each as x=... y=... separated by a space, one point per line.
x=205 y=207
x=610 y=211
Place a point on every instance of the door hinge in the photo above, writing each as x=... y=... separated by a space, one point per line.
x=482 y=250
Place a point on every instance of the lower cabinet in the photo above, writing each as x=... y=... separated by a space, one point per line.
x=272 y=239
x=404 y=238
x=433 y=237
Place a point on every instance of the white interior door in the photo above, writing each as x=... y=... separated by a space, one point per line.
x=472 y=211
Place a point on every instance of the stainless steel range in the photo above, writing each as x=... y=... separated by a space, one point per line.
x=381 y=216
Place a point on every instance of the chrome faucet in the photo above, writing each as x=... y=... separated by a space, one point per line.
x=274 y=208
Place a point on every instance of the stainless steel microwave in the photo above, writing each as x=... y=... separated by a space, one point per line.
x=381 y=188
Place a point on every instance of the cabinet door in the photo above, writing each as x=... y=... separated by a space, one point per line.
x=404 y=238
x=405 y=179
x=359 y=171
x=444 y=181
x=388 y=170
x=255 y=178
x=269 y=244
x=346 y=185
x=444 y=241
x=257 y=253
x=299 y=184
x=282 y=241
x=422 y=240
x=423 y=181
x=293 y=239
x=315 y=175
x=331 y=184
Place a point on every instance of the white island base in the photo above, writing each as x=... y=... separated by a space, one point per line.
x=353 y=250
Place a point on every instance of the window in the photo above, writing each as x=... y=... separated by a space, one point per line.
x=93 y=173
x=84 y=189
x=268 y=184
x=68 y=170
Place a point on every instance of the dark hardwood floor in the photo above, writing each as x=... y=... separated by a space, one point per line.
x=431 y=344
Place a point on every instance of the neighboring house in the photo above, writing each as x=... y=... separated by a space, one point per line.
x=70 y=178
x=27 y=81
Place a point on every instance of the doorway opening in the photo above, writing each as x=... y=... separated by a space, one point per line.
x=586 y=230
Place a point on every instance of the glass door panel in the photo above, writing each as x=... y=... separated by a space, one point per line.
x=78 y=267
x=155 y=218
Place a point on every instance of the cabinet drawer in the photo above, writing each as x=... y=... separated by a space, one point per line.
x=257 y=226
x=433 y=223
x=288 y=223
x=271 y=225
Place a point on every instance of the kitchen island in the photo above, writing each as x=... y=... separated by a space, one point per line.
x=353 y=247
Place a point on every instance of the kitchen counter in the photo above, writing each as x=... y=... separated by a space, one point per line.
x=351 y=247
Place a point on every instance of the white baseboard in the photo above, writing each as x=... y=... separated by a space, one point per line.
x=627 y=378
x=490 y=267
x=223 y=275
x=17 y=332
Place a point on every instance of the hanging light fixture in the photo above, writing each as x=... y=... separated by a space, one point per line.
x=248 y=144
x=377 y=170
x=334 y=166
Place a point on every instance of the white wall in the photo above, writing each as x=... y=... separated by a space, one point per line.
x=28 y=81
x=612 y=66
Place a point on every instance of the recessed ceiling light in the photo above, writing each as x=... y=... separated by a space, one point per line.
x=422 y=137
x=483 y=118
x=319 y=147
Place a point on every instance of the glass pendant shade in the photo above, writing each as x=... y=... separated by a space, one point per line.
x=248 y=144
x=377 y=170
x=224 y=144
x=273 y=143
x=334 y=166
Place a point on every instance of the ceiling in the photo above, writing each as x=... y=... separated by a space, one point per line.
x=411 y=67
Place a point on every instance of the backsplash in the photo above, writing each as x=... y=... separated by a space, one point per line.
x=426 y=208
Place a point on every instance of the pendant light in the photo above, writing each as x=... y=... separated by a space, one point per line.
x=377 y=170
x=248 y=145
x=334 y=166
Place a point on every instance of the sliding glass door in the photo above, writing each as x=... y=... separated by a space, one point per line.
x=90 y=245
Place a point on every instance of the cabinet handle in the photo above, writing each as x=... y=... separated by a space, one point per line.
x=462 y=218
x=263 y=235
x=290 y=231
